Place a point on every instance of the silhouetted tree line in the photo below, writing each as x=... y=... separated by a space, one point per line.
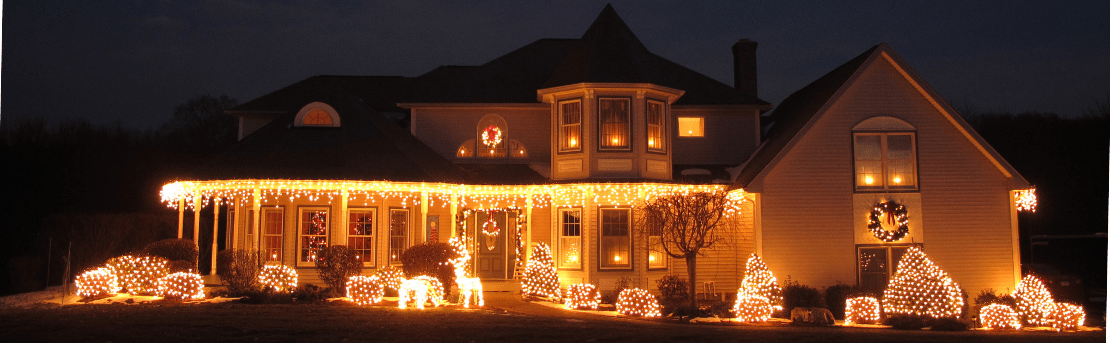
x=96 y=186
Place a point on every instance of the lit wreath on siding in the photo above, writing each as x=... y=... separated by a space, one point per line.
x=896 y=214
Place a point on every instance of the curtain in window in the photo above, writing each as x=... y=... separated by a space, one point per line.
x=613 y=119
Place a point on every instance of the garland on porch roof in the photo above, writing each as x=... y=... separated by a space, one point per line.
x=895 y=215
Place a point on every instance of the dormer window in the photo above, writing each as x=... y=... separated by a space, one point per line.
x=491 y=141
x=317 y=114
x=614 y=129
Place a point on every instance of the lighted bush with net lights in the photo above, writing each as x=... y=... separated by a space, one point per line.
x=752 y=309
x=861 y=310
x=759 y=294
x=921 y=288
x=582 y=296
x=638 y=302
x=540 y=278
x=182 y=286
x=1067 y=316
x=365 y=290
x=999 y=316
x=390 y=277
x=97 y=282
x=1034 y=302
x=139 y=275
x=278 y=278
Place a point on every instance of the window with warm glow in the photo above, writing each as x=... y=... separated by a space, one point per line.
x=656 y=119
x=398 y=234
x=313 y=234
x=885 y=161
x=360 y=234
x=570 y=126
x=570 y=239
x=249 y=245
x=614 y=248
x=613 y=120
x=273 y=220
x=467 y=149
x=317 y=116
x=877 y=264
x=691 y=127
x=657 y=258
x=517 y=149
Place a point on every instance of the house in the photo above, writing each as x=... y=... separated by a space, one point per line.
x=559 y=141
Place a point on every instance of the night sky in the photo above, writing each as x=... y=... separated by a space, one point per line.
x=131 y=62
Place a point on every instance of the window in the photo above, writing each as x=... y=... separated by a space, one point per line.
x=613 y=124
x=570 y=239
x=273 y=222
x=691 y=127
x=656 y=117
x=570 y=126
x=317 y=114
x=360 y=234
x=492 y=136
x=398 y=234
x=885 y=161
x=615 y=246
x=877 y=264
x=657 y=257
x=249 y=245
x=313 y=234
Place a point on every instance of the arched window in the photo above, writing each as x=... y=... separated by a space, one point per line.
x=317 y=114
x=491 y=141
x=884 y=150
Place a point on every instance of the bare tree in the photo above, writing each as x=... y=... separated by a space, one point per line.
x=687 y=224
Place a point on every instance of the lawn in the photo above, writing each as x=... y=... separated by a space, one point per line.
x=339 y=321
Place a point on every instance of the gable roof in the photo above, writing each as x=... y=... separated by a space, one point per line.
x=797 y=113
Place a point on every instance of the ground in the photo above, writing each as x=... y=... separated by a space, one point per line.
x=505 y=318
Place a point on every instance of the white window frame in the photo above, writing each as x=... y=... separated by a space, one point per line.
x=563 y=144
x=265 y=250
x=604 y=260
x=368 y=259
x=394 y=255
x=566 y=242
x=301 y=235
x=886 y=175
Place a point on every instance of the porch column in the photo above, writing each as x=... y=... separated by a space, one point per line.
x=454 y=214
x=423 y=215
x=341 y=224
x=255 y=218
x=232 y=243
x=196 y=220
x=180 y=216
x=215 y=231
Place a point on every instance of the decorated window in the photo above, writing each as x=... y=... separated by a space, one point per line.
x=398 y=234
x=273 y=222
x=656 y=119
x=877 y=264
x=657 y=257
x=492 y=137
x=467 y=149
x=312 y=234
x=615 y=246
x=570 y=239
x=360 y=234
x=885 y=160
x=614 y=124
x=691 y=127
x=317 y=114
x=570 y=126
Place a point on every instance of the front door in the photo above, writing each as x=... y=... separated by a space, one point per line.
x=492 y=233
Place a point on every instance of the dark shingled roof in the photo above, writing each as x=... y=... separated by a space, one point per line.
x=793 y=114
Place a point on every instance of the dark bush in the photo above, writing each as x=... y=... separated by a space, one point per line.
x=430 y=259
x=312 y=293
x=611 y=297
x=336 y=264
x=721 y=309
x=675 y=293
x=266 y=297
x=238 y=269
x=948 y=324
x=685 y=311
x=182 y=253
x=837 y=295
x=906 y=321
x=795 y=294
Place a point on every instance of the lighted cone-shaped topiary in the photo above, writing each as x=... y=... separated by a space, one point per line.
x=1067 y=316
x=182 y=286
x=999 y=316
x=278 y=278
x=921 y=288
x=1034 y=302
x=97 y=282
x=540 y=278
x=582 y=296
x=365 y=290
x=861 y=310
x=638 y=302
x=759 y=294
x=139 y=275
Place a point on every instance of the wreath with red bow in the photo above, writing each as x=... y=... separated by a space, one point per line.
x=895 y=215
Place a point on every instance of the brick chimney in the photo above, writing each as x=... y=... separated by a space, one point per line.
x=743 y=67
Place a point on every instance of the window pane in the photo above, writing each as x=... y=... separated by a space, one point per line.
x=361 y=224
x=868 y=148
x=691 y=127
x=314 y=222
x=655 y=125
x=899 y=146
x=271 y=249
x=613 y=121
x=895 y=257
x=570 y=252
x=571 y=125
x=398 y=229
x=869 y=173
x=572 y=223
x=615 y=240
x=272 y=223
x=873 y=269
x=656 y=257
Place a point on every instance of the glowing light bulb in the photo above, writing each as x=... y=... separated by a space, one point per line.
x=573 y=142
x=651 y=142
x=616 y=141
x=651 y=258
x=616 y=258
x=897 y=179
x=868 y=180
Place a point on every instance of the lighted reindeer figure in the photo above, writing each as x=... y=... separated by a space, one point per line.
x=469 y=287
x=420 y=289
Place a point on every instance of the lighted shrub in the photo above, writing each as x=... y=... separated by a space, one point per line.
x=238 y=270
x=861 y=310
x=278 y=278
x=139 y=275
x=365 y=290
x=1034 y=302
x=836 y=297
x=182 y=254
x=582 y=296
x=390 y=278
x=674 y=292
x=97 y=282
x=540 y=278
x=999 y=316
x=336 y=264
x=431 y=259
x=182 y=286
x=752 y=309
x=1067 y=316
x=921 y=288
x=638 y=302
